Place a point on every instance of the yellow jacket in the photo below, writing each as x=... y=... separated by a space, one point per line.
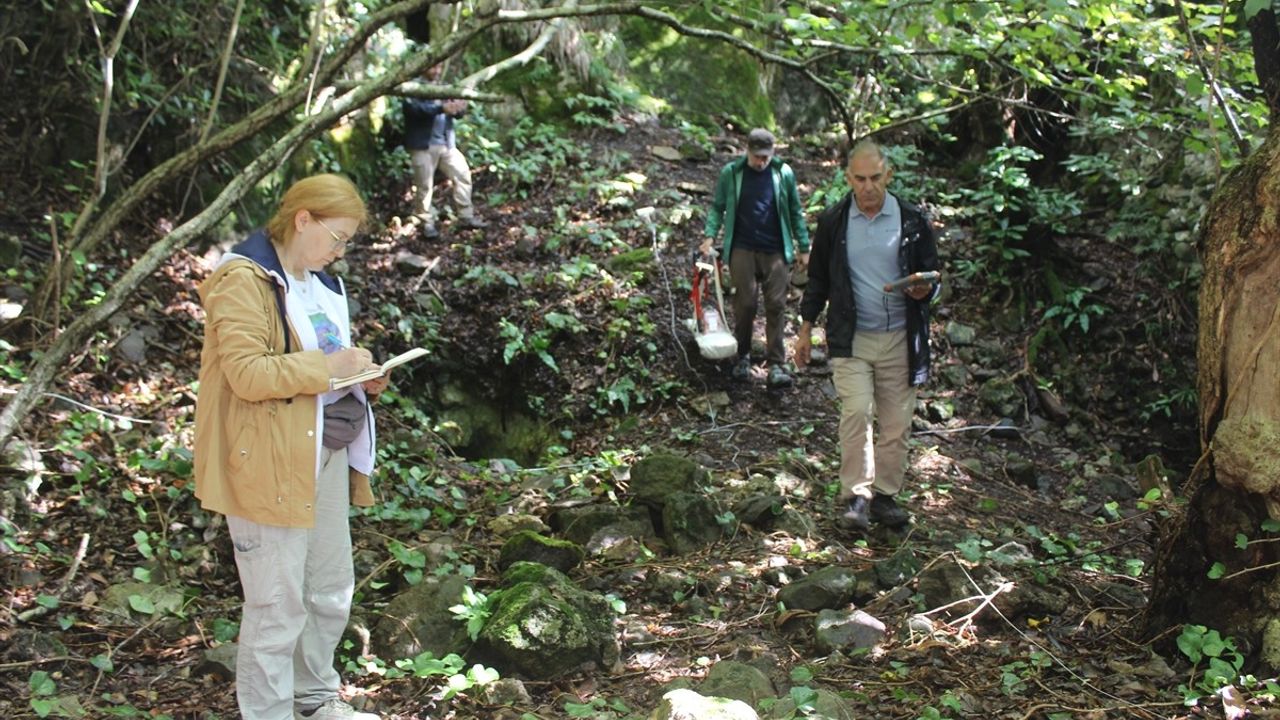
x=256 y=443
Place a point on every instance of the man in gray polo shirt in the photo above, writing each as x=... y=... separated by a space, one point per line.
x=879 y=341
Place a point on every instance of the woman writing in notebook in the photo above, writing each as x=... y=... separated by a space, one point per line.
x=281 y=455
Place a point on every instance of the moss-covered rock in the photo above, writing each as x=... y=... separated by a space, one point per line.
x=529 y=546
x=543 y=625
x=690 y=522
x=659 y=476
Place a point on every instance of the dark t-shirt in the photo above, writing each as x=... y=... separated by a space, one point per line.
x=756 y=226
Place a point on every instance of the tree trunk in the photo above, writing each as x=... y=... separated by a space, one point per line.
x=1235 y=486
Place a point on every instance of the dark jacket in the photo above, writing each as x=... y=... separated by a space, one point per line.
x=831 y=287
x=419 y=115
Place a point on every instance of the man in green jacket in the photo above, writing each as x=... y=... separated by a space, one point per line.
x=757 y=204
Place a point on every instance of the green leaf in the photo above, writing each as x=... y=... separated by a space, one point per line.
x=41 y=684
x=1217 y=571
x=142 y=604
x=103 y=663
x=47 y=601
x=1195 y=85
x=1270 y=525
x=1242 y=541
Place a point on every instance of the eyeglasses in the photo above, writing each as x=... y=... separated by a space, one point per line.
x=339 y=242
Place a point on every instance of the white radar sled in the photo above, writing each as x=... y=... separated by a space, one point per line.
x=708 y=325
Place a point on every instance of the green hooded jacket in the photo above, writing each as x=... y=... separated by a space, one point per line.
x=724 y=208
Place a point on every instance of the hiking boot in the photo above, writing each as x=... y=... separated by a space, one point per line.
x=335 y=709
x=779 y=378
x=429 y=232
x=856 y=515
x=472 y=223
x=742 y=369
x=886 y=511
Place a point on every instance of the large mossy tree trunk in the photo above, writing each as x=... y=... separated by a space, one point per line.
x=1235 y=488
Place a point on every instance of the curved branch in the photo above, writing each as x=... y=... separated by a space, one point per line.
x=524 y=56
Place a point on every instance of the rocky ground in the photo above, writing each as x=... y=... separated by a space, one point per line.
x=1017 y=592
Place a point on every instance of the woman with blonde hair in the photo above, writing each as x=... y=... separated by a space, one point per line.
x=279 y=453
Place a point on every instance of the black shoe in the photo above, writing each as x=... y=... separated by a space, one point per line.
x=742 y=368
x=856 y=515
x=885 y=511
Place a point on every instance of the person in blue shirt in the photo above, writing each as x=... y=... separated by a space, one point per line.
x=878 y=341
x=757 y=204
x=430 y=139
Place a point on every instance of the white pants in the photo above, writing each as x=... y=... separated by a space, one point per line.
x=874 y=388
x=298 y=584
x=453 y=164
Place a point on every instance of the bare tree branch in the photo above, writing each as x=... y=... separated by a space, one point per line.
x=1241 y=143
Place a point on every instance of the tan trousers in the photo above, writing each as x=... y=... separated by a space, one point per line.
x=453 y=164
x=874 y=389
x=767 y=273
x=298 y=585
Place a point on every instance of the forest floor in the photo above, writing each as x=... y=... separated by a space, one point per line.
x=1063 y=485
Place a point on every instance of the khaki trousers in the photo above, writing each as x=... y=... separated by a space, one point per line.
x=874 y=389
x=298 y=584
x=453 y=164
x=768 y=272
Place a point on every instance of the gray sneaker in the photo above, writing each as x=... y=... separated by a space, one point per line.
x=429 y=232
x=335 y=709
x=742 y=369
x=472 y=223
x=779 y=378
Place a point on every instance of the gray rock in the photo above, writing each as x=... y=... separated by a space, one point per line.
x=128 y=603
x=940 y=411
x=1006 y=429
x=737 y=680
x=831 y=587
x=946 y=583
x=822 y=705
x=1012 y=553
x=958 y=334
x=218 y=662
x=682 y=704
x=690 y=522
x=955 y=375
x=666 y=152
x=845 y=630
x=796 y=523
x=418 y=620
x=897 y=568
x=133 y=346
x=411 y=264
x=510 y=524
x=660 y=476
x=506 y=691
x=918 y=627
x=1002 y=396
x=599 y=526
